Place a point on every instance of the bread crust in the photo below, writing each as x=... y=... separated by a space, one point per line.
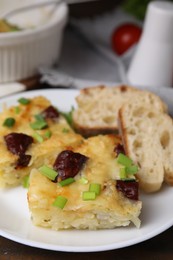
x=88 y=132
x=147 y=136
x=97 y=110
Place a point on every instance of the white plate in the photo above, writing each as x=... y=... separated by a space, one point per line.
x=15 y=223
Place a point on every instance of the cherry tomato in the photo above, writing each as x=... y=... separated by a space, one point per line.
x=124 y=37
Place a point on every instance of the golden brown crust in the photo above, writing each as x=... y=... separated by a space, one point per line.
x=123 y=88
x=88 y=132
x=121 y=128
x=147 y=137
x=169 y=179
x=97 y=110
x=39 y=151
x=110 y=208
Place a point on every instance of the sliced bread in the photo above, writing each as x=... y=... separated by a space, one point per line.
x=98 y=107
x=148 y=140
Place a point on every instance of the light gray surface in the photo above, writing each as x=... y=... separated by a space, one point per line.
x=86 y=50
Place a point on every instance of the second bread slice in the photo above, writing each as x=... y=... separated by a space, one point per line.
x=98 y=107
x=148 y=139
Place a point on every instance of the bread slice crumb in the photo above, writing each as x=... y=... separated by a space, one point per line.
x=98 y=107
x=147 y=135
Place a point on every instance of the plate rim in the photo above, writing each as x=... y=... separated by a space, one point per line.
x=83 y=249
x=67 y=248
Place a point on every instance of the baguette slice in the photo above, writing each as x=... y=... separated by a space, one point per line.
x=98 y=107
x=109 y=209
x=147 y=135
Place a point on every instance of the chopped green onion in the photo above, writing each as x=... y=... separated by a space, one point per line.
x=38 y=125
x=65 y=130
x=66 y=182
x=95 y=187
x=24 y=101
x=39 y=117
x=9 y=122
x=17 y=110
x=48 y=134
x=83 y=180
x=88 y=195
x=48 y=172
x=131 y=169
x=124 y=160
x=38 y=137
x=60 y=202
x=123 y=174
x=68 y=116
x=25 y=182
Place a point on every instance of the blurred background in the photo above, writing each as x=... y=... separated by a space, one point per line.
x=96 y=43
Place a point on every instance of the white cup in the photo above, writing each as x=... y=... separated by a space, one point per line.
x=152 y=63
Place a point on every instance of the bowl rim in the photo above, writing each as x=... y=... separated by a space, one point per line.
x=61 y=18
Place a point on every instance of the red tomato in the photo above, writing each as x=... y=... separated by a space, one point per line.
x=125 y=36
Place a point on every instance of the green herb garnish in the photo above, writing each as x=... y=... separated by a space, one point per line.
x=60 y=202
x=88 y=195
x=68 y=116
x=9 y=122
x=25 y=182
x=17 y=110
x=132 y=169
x=38 y=137
x=66 y=182
x=24 y=101
x=124 y=160
x=95 y=187
x=48 y=172
x=128 y=169
x=39 y=117
x=47 y=134
x=38 y=125
x=83 y=180
x=65 y=130
x=123 y=174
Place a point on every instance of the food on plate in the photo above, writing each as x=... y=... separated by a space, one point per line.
x=30 y=132
x=148 y=137
x=86 y=187
x=87 y=183
x=124 y=37
x=97 y=107
x=5 y=26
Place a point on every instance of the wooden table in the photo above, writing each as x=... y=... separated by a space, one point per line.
x=158 y=248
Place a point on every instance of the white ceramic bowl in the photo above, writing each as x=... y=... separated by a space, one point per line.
x=21 y=53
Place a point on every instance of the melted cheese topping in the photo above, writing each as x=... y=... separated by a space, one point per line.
x=59 y=139
x=101 y=168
